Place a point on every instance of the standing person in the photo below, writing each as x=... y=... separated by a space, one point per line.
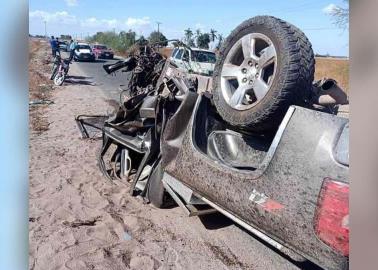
x=73 y=46
x=69 y=45
x=57 y=45
x=54 y=46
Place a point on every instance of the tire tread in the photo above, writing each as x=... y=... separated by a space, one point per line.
x=294 y=86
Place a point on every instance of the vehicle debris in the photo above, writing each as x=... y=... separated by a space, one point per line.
x=146 y=66
x=328 y=92
x=91 y=126
x=251 y=148
x=79 y=223
x=40 y=102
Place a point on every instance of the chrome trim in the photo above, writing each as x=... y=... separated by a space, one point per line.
x=277 y=138
x=245 y=225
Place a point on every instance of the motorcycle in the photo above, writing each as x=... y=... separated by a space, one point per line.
x=55 y=65
x=59 y=70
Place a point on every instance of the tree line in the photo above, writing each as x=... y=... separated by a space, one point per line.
x=202 y=40
x=124 y=40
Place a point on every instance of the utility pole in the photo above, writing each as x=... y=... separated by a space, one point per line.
x=158 y=24
x=45 y=29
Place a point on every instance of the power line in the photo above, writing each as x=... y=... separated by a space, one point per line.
x=319 y=28
x=304 y=6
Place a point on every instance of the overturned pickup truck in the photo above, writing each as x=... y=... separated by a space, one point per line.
x=265 y=147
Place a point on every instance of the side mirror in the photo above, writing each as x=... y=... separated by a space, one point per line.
x=185 y=58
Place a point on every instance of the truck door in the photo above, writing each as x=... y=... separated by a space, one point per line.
x=186 y=60
x=178 y=58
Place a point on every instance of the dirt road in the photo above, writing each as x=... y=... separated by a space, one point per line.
x=79 y=220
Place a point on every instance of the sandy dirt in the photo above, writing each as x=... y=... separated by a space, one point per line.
x=80 y=220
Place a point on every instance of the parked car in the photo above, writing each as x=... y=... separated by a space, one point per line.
x=102 y=51
x=63 y=46
x=83 y=52
x=194 y=60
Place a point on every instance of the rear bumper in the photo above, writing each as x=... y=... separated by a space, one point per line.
x=82 y=57
x=106 y=55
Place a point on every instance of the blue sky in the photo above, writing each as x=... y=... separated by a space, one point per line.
x=85 y=17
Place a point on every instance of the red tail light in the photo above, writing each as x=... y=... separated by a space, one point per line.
x=332 y=215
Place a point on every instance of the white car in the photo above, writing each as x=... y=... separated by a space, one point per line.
x=83 y=52
x=195 y=60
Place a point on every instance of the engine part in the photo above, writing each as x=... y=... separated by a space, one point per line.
x=328 y=92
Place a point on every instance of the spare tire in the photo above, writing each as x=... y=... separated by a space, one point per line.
x=264 y=66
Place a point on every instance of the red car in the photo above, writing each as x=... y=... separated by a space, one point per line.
x=101 y=51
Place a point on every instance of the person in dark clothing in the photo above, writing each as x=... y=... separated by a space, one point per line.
x=57 y=46
x=51 y=40
x=54 y=46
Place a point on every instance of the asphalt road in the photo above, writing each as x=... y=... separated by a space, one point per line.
x=266 y=257
x=96 y=75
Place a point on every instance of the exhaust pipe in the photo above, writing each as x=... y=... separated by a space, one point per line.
x=128 y=63
x=328 y=92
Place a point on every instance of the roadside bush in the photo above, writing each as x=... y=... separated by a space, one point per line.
x=118 y=42
x=156 y=36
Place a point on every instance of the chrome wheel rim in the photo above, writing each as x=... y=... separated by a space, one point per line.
x=248 y=71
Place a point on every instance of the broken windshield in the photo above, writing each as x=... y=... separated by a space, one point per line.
x=203 y=57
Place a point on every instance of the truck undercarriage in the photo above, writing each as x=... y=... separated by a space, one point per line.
x=171 y=141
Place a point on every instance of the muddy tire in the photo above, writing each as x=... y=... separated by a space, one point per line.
x=264 y=66
x=156 y=192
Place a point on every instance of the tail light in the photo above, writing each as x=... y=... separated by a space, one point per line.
x=332 y=215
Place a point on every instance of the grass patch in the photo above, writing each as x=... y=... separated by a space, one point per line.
x=337 y=69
